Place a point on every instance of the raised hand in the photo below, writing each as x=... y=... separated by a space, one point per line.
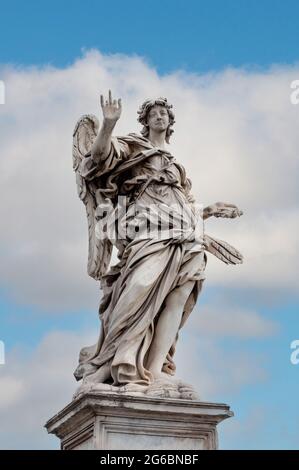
x=111 y=108
x=223 y=209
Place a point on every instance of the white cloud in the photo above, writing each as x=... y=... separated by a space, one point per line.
x=214 y=371
x=251 y=429
x=236 y=133
x=270 y=245
x=35 y=386
x=225 y=321
x=11 y=390
x=213 y=368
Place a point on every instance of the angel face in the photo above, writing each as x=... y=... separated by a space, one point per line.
x=158 y=118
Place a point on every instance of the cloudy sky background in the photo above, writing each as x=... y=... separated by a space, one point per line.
x=236 y=133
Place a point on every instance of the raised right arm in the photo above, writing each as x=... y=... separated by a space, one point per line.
x=111 y=114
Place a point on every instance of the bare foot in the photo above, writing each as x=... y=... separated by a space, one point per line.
x=100 y=376
x=132 y=387
x=164 y=377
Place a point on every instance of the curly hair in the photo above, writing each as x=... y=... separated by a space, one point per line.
x=143 y=114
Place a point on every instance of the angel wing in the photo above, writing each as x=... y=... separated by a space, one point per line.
x=222 y=250
x=99 y=248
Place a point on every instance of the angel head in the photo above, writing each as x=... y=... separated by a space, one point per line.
x=156 y=114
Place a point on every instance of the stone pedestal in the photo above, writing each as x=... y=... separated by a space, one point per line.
x=112 y=421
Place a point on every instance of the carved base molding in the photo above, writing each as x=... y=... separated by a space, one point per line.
x=124 y=422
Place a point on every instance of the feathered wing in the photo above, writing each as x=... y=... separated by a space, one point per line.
x=100 y=248
x=223 y=250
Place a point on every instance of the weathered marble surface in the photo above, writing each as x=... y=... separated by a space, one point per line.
x=159 y=388
x=99 y=420
x=129 y=397
x=149 y=294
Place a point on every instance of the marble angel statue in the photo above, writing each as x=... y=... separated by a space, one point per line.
x=149 y=293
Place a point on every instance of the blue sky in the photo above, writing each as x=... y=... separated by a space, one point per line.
x=193 y=35
x=198 y=38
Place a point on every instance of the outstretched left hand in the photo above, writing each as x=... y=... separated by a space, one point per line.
x=223 y=209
